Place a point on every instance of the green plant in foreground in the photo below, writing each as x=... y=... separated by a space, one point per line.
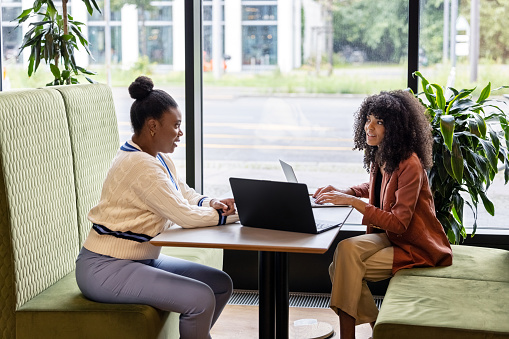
x=54 y=39
x=470 y=139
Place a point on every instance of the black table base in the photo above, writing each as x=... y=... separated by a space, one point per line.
x=274 y=295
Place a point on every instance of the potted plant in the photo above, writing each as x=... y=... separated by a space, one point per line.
x=53 y=38
x=470 y=140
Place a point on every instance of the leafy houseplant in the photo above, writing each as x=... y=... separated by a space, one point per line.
x=53 y=39
x=470 y=139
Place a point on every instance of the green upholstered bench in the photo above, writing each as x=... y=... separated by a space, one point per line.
x=466 y=300
x=56 y=145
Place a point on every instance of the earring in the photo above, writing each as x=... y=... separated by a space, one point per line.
x=152 y=133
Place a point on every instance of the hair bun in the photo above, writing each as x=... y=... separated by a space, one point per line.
x=141 y=87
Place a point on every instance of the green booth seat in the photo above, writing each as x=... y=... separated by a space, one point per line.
x=467 y=300
x=61 y=311
x=469 y=262
x=56 y=146
x=420 y=307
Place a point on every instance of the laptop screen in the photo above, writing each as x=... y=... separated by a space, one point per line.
x=289 y=172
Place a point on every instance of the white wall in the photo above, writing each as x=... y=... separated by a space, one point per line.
x=313 y=18
x=285 y=34
x=130 y=42
x=179 y=45
x=233 y=34
x=79 y=13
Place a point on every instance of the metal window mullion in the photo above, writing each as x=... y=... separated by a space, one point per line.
x=413 y=43
x=194 y=94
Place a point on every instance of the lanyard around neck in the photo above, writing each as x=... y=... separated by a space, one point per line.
x=129 y=148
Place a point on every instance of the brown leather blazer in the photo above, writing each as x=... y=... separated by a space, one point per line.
x=407 y=214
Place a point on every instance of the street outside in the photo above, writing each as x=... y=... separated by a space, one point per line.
x=245 y=134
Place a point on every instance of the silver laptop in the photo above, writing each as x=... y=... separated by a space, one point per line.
x=291 y=177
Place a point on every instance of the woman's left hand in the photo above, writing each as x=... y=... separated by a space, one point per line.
x=227 y=206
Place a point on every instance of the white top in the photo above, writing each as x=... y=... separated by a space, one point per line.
x=142 y=196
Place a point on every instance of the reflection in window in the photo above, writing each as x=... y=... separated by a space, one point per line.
x=207 y=13
x=96 y=16
x=259 y=45
x=157 y=13
x=156 y=33
x=96 y=41
x=10 y=13
x=11 y=39
x=259 y=12
x=207 y=42
x=158 y=44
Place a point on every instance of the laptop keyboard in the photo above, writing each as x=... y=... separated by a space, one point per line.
x=322 y=226
x=315 y=204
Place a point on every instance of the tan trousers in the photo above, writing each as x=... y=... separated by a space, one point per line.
x=356 y=260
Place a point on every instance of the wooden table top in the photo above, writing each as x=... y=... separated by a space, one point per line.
x=238 y=237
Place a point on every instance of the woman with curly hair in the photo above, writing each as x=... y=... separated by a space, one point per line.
x=402 y=229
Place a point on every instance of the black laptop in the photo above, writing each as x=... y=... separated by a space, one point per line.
x=283 y=206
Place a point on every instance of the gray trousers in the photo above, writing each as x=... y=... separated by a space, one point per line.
x=198 y=292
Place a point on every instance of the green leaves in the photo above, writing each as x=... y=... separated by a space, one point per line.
x=447 y=129
x=47 y=41
x=469 y=145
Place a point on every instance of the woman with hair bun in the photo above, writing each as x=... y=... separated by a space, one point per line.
x=403 y=231
x=142 y=195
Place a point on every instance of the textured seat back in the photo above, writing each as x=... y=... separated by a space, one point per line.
x=94 y=138
x=38 y=227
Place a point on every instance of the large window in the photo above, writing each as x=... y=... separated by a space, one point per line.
x=97 y=37
x=207 y=33
x=259 y=35
x=296 y=73
x=300 y=108
x=156 y=32
x=11 y=38
x=259 y=45
x=446 y=58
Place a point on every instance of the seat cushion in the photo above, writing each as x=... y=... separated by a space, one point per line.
x=419 y=307
x=469 y=262
x=63 y=312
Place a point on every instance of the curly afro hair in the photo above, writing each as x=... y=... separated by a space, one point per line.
x=407 y=130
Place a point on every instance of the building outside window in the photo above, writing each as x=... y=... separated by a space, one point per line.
x=292 y=42
x=156 y=32
x=11 y=38
x=207 y=34
x=96 y=37
x=259 y=34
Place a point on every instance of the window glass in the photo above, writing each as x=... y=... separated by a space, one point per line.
x=207 y=46
x=259 y=12
x=259 y=45
x=441 y=66
x=96 y=40
x=11 y=41
x=158 y=44
x=207 y=12
x=10 y=13
x=158 y=13
x=298 y=72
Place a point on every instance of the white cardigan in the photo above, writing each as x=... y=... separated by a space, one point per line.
x=141 y=197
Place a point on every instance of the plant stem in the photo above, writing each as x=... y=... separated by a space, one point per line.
x=64 y=14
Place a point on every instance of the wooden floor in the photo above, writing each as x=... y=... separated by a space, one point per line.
x=241 y=322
